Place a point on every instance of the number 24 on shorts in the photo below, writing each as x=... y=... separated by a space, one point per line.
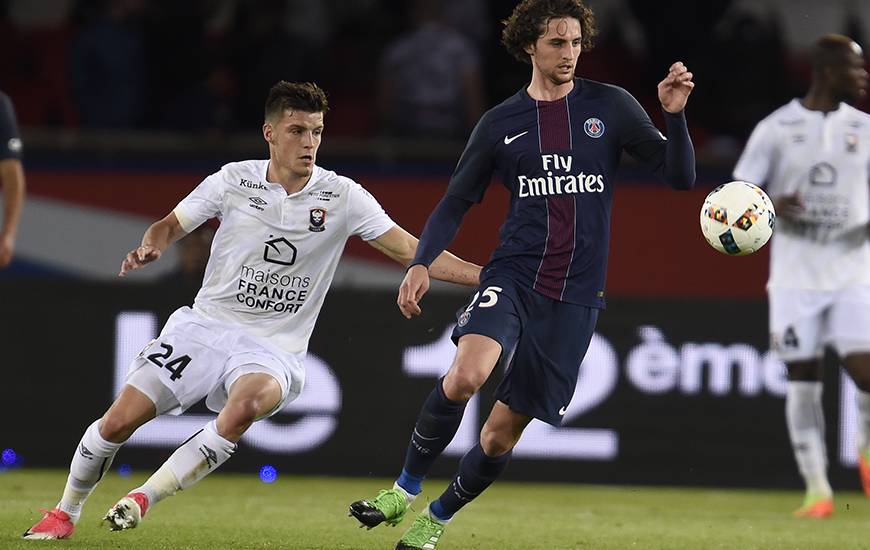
x=162 y=359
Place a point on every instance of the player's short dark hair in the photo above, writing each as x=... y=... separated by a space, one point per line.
x=528 y=22
x=831 y=50
x=295 y=96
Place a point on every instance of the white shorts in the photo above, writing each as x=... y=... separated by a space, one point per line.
x=803 y=322
x=196 y=357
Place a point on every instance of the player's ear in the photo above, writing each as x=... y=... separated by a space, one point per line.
x=530 y=49
x=267 y=132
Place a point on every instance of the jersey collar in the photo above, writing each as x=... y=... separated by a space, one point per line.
x=797 y=105
x=524 y=94
x=316 y=173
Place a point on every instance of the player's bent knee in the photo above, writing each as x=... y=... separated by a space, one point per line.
x=116 y=427
x=243 y=411
x=239 y=414
x=495 y=443
x=461 y=385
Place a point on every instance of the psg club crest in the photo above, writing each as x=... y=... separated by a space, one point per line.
x=316 y=219
x=463 y=319
x=593 y=127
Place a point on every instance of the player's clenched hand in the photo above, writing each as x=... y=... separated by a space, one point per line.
x=674 y=90
x=140 y=257
x=414 y=286
x=789 y=206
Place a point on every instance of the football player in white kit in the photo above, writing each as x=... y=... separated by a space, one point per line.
x=813 y=155
x=284 y=223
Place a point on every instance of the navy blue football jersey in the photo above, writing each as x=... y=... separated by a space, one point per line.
x=558 y=159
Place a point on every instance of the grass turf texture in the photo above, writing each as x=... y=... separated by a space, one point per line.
x=239 y=511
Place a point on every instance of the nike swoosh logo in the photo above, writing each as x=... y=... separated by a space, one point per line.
x=508 y=140
x=562 y=411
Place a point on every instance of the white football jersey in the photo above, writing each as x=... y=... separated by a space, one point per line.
x=826 y=159
x=274 y=255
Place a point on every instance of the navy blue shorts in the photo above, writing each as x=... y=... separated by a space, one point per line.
x=545 y=340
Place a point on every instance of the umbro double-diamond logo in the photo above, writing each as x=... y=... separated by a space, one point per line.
x=509 y=139
x=257 y=202
x=209 y=454
x=85 y=452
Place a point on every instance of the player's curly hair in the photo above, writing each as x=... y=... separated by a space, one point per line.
x=295 y=96
x=528 y=22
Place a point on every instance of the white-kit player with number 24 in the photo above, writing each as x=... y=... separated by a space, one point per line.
x=813 y=155
x=284 y=224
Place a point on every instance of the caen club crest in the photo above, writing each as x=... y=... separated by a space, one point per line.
x=851 y=142
x=317 y=219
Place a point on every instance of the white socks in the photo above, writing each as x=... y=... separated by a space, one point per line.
x=193 y=460
x=196 y=458
x=90 y=461
x=806 y=428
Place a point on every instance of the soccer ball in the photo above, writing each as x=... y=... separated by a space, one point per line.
x=737 y=218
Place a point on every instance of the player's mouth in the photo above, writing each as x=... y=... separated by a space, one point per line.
x=566 y=67
x=307 y=159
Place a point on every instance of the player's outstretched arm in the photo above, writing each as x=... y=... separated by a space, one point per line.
x=12 y=181
x=672 y=160
x=157 y=238
x=401 y=246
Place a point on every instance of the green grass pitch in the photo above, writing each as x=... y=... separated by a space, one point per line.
x=238 y=512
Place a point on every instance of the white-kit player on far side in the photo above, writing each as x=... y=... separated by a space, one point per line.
x=813 y=156
x=284 y=224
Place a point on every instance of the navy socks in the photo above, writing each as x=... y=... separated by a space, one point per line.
x=436 y=425
x=477 y=471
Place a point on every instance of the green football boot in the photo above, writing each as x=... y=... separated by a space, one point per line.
x=388 y=507
x=423 y=533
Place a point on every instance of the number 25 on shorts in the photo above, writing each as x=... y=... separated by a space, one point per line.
x=488 y=298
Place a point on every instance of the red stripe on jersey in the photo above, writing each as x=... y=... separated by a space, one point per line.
x=554 y=129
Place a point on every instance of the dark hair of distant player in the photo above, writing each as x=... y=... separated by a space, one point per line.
x=528 y=22
x=831 y=50
x=307 y=97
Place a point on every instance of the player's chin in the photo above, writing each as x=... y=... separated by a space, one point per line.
x=563 y=77
x=302 y=170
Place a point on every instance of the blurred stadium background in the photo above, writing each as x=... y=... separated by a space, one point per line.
x=125 y=105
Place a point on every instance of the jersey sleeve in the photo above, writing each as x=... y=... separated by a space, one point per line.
x=755 y=162
x=10 y=141
x=671 y=159
x=638 y=130
x=475 y=167
x=365 y=215
x=202 y=204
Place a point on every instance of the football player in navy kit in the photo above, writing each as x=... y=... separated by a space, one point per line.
x=555 y=145
x=11 y=179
